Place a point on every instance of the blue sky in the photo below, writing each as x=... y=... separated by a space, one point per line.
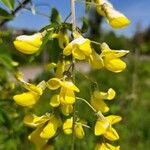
x=138 y=11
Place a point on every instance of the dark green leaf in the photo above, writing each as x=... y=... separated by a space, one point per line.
x=6 y=61
x=55 y=17
x=5 y=15
x=85 y=25
x=8 y=3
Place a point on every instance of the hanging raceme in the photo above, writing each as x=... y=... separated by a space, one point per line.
x=63 y=115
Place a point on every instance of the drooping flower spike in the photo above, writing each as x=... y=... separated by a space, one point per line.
x=28 y=44
x=115 y=18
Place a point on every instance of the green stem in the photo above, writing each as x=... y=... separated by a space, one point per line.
x=82 y=99
x=73 y=71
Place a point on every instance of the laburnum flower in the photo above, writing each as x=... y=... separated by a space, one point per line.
x=104 y=127
x=111 y=58
x=115 y=18
x=33 y=94
x=28 y=44
x=66 y=96
x=62 y=37
x=45 y=128
x=106 y=146
x=80 y=48
x=97 y=99
x=78 y=129
x=95 y=60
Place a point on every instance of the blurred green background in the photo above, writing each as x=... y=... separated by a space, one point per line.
x=132 y=86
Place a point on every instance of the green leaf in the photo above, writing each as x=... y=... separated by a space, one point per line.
x=6 y=61
x=8 y=3
x=5 y=15
x=55 y=17
x=85 y=25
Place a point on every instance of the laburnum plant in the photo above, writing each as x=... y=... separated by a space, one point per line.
x=74 y=49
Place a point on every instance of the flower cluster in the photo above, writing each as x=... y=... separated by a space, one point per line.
x=62 y=115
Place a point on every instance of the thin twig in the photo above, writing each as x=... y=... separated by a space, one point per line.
x=73 y=70
x=25 y=2
x=82 y=99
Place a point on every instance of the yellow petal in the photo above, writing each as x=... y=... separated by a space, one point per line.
x=60 y=69
x=55 y=35
x=68 y=49
x=95 y=61
x=101 y=146
x=66 y=109
x=86 y=47
x=111 y=134
x=69 y=85
x=50 y=66
x=67 y=96
x=78 y=54
x=34 y=121
x=111 y=147
x=67 y=126
x=114 y=119
x=100 y=127
x=109 y=95
x=49 y=130
x=99 y=105
x=55 y=100
x=31 y=87
x=115 y=65
x=26 y=99
x=25 y=48
x=63 y=40
x=53 y=83
x=28 y=44
x=119 y=22
x=36 y=139
x=79 y=132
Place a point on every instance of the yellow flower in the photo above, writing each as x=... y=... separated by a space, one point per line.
x=46 y=128
x=104 y=127
x=31 y=97
x=106 y=146
x=28 y=44
x=67 y=90
x=97 y=99
x=63 y=38
x=95 y=60
x=66 y=97
x=27 y=99
x=111 y=58
x=65 y=108
x=114 y=17
x=78 y=129
x=79 y=48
